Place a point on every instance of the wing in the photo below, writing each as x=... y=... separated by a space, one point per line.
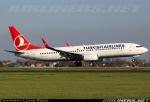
x=68 y=55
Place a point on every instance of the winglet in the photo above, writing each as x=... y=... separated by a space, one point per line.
x=45 y=43
x=68 y=44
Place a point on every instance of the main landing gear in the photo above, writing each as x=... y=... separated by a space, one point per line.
x=78 y=63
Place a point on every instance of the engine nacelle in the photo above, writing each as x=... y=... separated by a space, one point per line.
x=90 y=57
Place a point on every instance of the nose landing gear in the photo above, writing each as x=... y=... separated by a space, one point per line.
x=133 y=59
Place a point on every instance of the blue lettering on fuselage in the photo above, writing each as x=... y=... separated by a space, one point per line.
x=103 y=47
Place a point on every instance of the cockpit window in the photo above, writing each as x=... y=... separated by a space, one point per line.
x=139 y=46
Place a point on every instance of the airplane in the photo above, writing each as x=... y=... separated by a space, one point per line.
x=95 y=52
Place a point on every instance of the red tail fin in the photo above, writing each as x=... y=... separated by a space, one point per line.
x=20 y=42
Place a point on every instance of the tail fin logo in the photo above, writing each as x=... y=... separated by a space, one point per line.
x=21 y=43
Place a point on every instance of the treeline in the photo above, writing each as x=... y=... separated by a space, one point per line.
x=116 y=62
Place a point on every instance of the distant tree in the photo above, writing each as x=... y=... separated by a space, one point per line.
x=149 y=63
x=1 y=64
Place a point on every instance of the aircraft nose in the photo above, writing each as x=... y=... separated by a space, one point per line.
x=145 y=49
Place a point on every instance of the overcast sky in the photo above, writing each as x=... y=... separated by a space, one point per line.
x=75 y=21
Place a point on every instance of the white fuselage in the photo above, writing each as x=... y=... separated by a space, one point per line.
x=89 y=52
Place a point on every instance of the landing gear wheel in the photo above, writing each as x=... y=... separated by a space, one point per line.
x=78 y=63
x=93 y=64
x=133 y=59
x=133 y=62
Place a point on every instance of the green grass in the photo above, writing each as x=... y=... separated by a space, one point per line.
x=74 y=85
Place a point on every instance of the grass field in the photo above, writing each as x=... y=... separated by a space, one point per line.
x=72 y=85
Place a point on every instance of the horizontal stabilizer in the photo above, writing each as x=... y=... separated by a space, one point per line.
x=15 y=52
